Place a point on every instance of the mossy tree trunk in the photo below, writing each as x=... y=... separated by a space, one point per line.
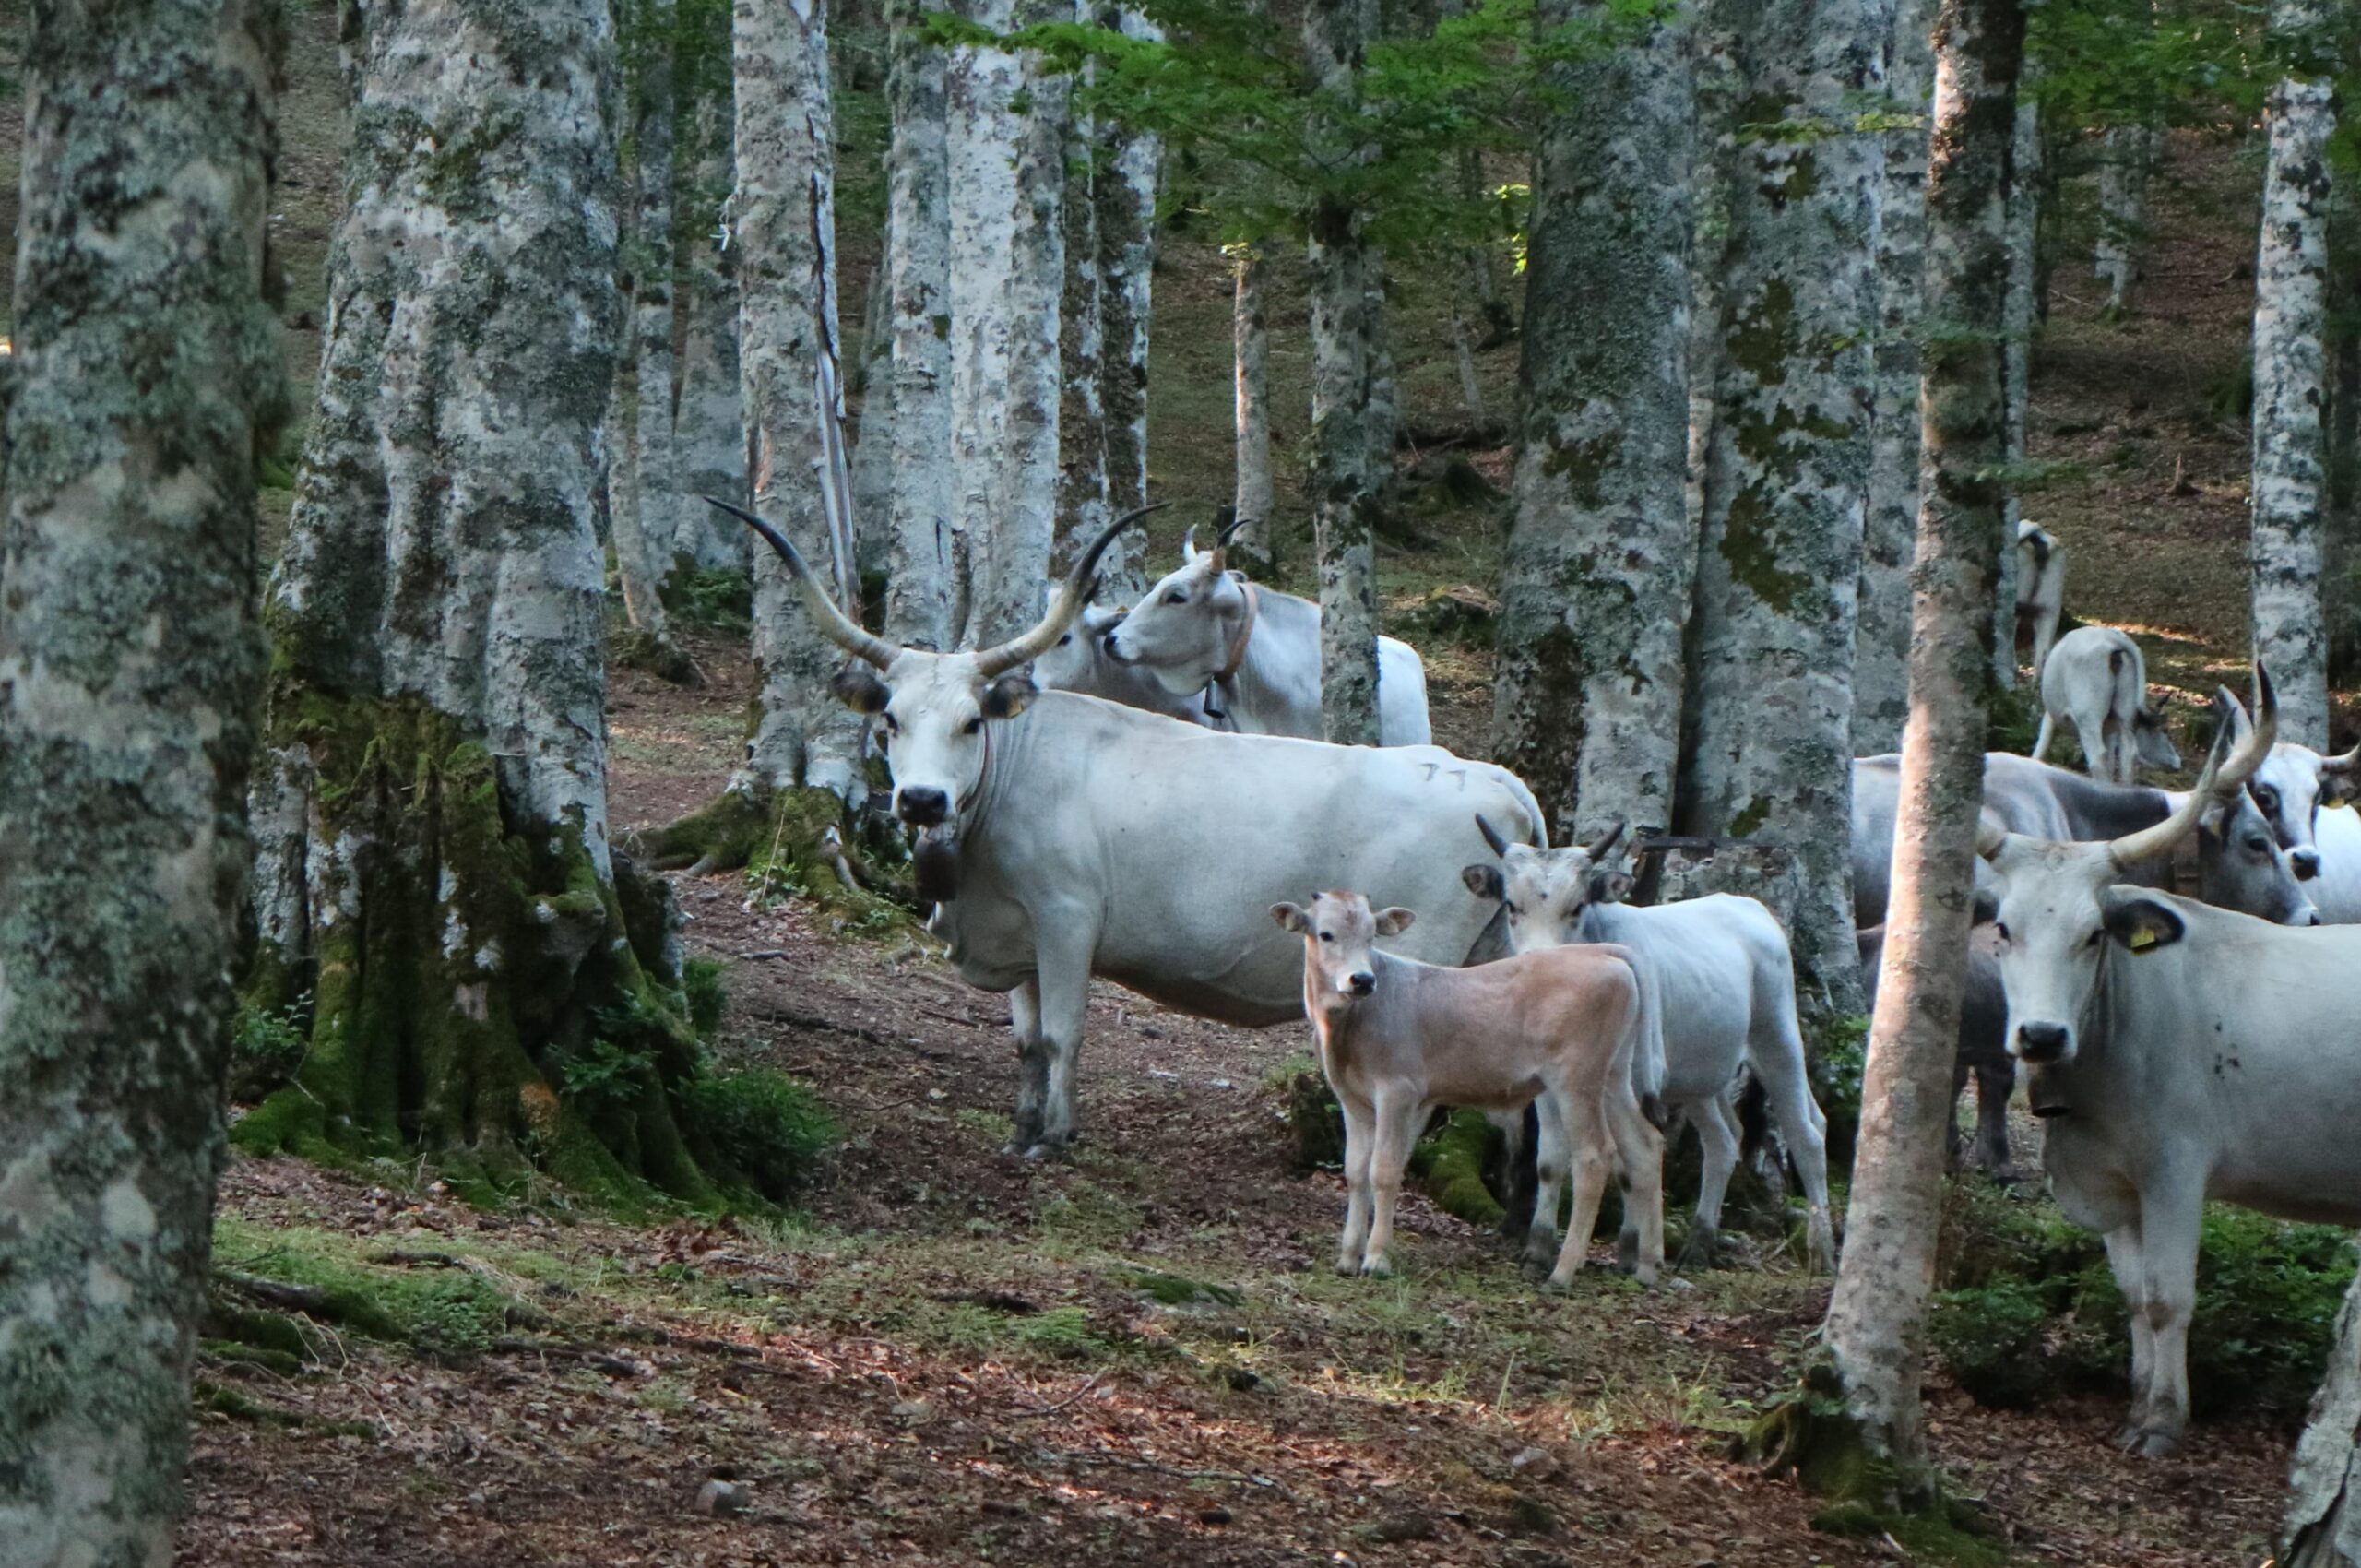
x=2128 y=156
x=1251 y=406
x=1125 y=190
x=920 y=542
x=2022 y=321
x=2323 y=1526
x=1875 y=1334
x=145 y=379
x=708 y=435
x=1602 y=553
x=433 y=867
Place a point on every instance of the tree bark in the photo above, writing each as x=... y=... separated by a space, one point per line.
x=639 y=557
x=1251 y=387
x=1602 y=557
x=1889 y=526
x=709 y=432
x=1875 y=1331
x=1342 y=482
x=1082 y=410
x=1786 y=475
x=1126 y=192
x=2129 y=151
x=1384 y=397
x=2323 y=1528
x=1007 y=244
x=784 y=214
x=921 y=550
x=872 y=454
x=2291 y=382
x=146 y=376
x=2022 y=318
x=433 y=865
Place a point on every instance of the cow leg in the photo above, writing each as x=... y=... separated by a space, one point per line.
x=1400 y=1116
x=1777 y=1053
x=2048 y=733
x=1995 y=1082
x=1951 y=1141
x=1550 y=1163
x=1360 y=1140
x=1717 y=1136
x=1032 y=1066
x=1065 y=941
x=1627 y=1240
x=1639 y=1148
x=2170 y=1220
x=1520 y=1137
x=2091 y=729
x=1588 y=1138
x=2124 y=1260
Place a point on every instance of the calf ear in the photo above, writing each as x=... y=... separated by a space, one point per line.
x=858 y=687
x=1006 y=697
x=1393 y=921
x=1290 y=917
x=1484 y=882
x=2142 y=923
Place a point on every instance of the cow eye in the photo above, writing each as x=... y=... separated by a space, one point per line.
x=1067 y=638
x=2267 y=799
x=2000 y=930
x=2257 y=845
x=1327 y=937
x=973 y=726
x=1176 y=597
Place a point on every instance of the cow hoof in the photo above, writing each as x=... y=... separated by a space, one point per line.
x=1376 y=1268
x=1046 y=1152
x=2152 y=1443
x=1702 y=1249
x=1537 y=1265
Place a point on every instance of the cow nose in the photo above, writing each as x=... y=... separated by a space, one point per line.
x=2306 y=864
x=2314 y=919
x=1362 y=983
x=1114 y=650
x=920 y=807
x=2041 y=1042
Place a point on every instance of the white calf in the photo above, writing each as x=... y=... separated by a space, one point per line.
x=2097 y=681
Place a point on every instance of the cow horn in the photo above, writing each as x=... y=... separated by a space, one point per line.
x=833 y=623
x=1990 y=834
x=1231 y=523
x=1491 y=834
x=1189 y=544
x=2343 y=766
x=1071 y=596
x=1606 y=843
x=1225 y=525
x=2252 y=740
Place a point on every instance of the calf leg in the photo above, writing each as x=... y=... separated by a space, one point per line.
x=1639 y=1148
x=1588 y=1140
x=2048 y=733
x=1520 y=1135
x=1717 y=1136
x=1995 y=1082
x=1551 y=1161
x=1399 y=1118
x=1777 y=1051
x=1360 y=1139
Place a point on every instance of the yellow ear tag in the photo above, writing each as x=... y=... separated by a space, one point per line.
x=2143 y=939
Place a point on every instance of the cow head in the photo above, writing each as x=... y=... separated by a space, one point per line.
x=2289 y=790
x=1073 y=662
x=1340 y=933
x=1183 y=630
x=2058 y=917
x=1546 y=891
x=934 y=707
x=2243 y=861
x=2151 y=741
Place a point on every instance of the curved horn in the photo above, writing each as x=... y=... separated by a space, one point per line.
x=833 y=623
x=1606 y=841
x=2343 y=766
x=1071 y=596
x=1491 y=834
x=1225 y=525
x=1189 y=543
x=1232 y=522
x=1990 y=834
x=2252 y=740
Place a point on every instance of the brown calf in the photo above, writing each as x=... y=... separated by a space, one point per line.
x=1398 y=1038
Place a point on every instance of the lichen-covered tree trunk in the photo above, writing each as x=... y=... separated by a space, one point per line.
x=1384 y=397
x=433 y=863
x=146 y=375
x=1342 y=484
x=1889 y=526
x=872 y=455
x=649 y=262
x=1125 y=190
x=638 y=556
x=708 y=432
x=1602 y=557
x=2021 y=318
x=1083 y=490
x=2291 y=381
x=1250 y=388
x=923 y=603
x=784 y=219
x=1875 y=1332
x=1786 y=473
x=1006 y=119
x=2323 y=1528
x=2128 y=153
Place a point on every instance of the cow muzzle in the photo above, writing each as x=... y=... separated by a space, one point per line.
x=1359 y=983
x=2304 y=863
x=920 y=806
x=2040 y=1043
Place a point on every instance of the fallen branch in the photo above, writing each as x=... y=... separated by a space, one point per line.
x=1088 y=1383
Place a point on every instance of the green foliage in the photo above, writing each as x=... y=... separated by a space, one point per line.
x=1991 y=1341
x=1837 y=1068
x=719 y=598
x=701 y=986
x=603 y=1076
x=446 y=1310
x=766 y=1126
x=266 y=1045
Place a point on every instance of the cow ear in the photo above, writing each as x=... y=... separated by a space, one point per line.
x=1393 y=921
x=2337 y=789
x=1006 y=697
x=1290 y=917
x=2142 y=923
x=1618 y=887
x=1987 y=907
x=858 y=687
x=1484 y=882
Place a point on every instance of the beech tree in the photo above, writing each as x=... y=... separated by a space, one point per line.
x=709 y=432
x=920 y=545
x=1250 y=383
x=144 y=377
x=2323 y=1528
x=2129 y=154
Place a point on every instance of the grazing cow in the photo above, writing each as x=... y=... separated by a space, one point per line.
x=2041 y=590
x=1252 y=654
x=2234 y=863
x=2097 y=680
x=1563 y=1031
x=1078 y=661
x=1983 y=1048
x=1721 y=985
x=2178 y=1054
x=1062 y=837
x=2306 y=798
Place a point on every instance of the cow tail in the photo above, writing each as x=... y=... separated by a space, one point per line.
x=1753 y=1119
x=1647 y=1048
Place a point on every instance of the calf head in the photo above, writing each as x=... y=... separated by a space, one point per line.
x=1183 y=630
x=2289 y=790
x=1071 y=664
x=933 y=708
x=1340 y=933
x=1545 y=891
x=2060 y=920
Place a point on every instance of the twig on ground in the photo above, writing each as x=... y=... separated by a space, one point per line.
x=1088 y=1383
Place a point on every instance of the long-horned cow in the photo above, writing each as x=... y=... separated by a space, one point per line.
x=1563 y=1031
x=1721 y=984
x=2178 y=1054
x=1078 y=661
x=2096 y=679
x=1250 y=655
x=1063 y=836
x=2307 y=798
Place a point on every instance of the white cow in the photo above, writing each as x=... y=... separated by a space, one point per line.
x=2178 y=1054
x=1078 y=661
x=1062 y=836
x=1252 y=654
x=2041 y=589
x=1721 y=985
x=2096 y=679
x=2306 y=798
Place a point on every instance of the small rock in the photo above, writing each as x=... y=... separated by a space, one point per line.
x=717 y=1499
x=1527 y=1459
x=1213 y=1516
x=1239 y=1378
x=913 y=1412
x=1149 y=1031
x=1402 y=1526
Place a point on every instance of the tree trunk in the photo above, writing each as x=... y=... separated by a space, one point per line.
x=2323 y=1528
x=1875 y=1333
x=1787 y=476
x=709 y=432
x=1344 y=487
x=1384 y=397
x=785 y=220
x=145 y=378
x=1890 y=526
x=1082 y=417
x=649 y=644
x=873 y=455
x=920 y=556
x=434 y=865
x=1254 y=546
x=1602 y=557
x=1007 y=178
x=2291 y=384
x=2341 y=511
x=2021 y=318
x=1125 y=190
x=2130 y=150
